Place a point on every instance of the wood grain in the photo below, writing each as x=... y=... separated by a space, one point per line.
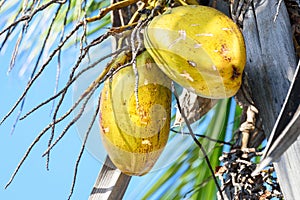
x=271 y=62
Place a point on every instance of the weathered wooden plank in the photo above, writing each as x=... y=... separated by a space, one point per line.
x=271 y=62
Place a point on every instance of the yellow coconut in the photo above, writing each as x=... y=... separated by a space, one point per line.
x=134 y=136
x=198 y=47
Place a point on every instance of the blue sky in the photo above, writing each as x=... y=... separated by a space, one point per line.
x=33 y=181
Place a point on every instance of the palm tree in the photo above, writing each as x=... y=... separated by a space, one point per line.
x=60 y=25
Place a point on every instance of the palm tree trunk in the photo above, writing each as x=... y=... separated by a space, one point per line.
x=271 y=62
x=111 y=183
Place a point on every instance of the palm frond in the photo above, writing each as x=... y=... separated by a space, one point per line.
x=189 y=177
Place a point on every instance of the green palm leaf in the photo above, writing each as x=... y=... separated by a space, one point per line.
x=189 y=176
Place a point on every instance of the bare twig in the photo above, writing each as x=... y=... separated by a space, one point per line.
x=16 y=49
x=198 y=143
x=83 y=147
x=136 y=37
x=57 y=75
x=10 y=30
x=115 y=6
x=75 y=119
x=69 y=84
x=50 y=126
x=88 y=94
x=103 y=37
x=59 y=53
x=29 y=84
x=28 y=17
x=36 y=65
x=47 y=128
x=36 y=141
x=204 y=136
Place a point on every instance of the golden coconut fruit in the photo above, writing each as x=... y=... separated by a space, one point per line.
x=198 y=47
x=134 y=135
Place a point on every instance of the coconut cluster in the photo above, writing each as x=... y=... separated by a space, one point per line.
x=198 y=47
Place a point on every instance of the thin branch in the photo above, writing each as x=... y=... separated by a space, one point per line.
x=204 y=136
x=83 y=39
x=26 y=154
x=197 y=142
x=135 y=35
x=115 y=6
x=39 y=137
x=29 y=84
x=28 y=17
x=57 y=72
x=16 y=50
x=59 y=52
x=12 y=63
x=79 y=60
x=70 y=83
x=82 y=55
x=93 y=43
x=88 y=93
x=1 y=3
x=75 y=119
x=18 y=117
x=10 y=31
x=83 y=147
